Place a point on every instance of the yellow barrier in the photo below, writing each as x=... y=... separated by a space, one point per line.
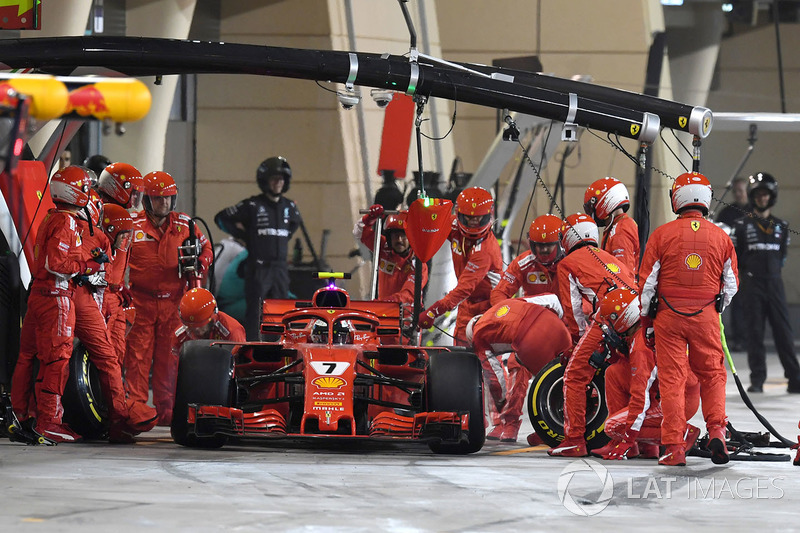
x=120 y=100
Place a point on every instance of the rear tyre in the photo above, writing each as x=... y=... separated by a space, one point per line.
x=84 y=408
x=546 y=406
x=205 y=377
x=455 y=383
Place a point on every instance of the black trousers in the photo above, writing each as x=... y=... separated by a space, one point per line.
x=270 y=280
x=765 y=299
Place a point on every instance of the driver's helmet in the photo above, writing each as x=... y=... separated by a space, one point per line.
x=319 y=332
x=342 y=332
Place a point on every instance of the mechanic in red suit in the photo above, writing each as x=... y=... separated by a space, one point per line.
x=201 y=319
x=117 y=225
x=23 y=400
x=396 y=259
x=532 y=329
x=477 y=261
x=635 y=427
x=156 y=290
x=121 y=184
x=607 y=201
x=534 y=271
x=689 y=271
x=50 y=305
x=584 y=275
x=90 y=325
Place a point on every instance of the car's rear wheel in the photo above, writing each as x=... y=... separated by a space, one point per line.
x=84 y=408
x=205 y=377
x=546 y=406
x=455 y=383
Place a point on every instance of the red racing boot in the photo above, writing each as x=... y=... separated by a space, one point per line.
x=496 y=433
x=56 y=432
x=690 y=437
x=673 y=456
x=534 y=439
x=716 y=443
x=510 y=432
x=569 y=448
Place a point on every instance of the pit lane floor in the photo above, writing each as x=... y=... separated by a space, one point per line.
x=156 y=485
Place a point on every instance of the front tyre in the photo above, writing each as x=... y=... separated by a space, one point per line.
x=455 y=383
x=205 y=377
x=546 y=406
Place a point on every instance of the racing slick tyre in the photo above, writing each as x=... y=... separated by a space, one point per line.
x=205 y=377
x=84 y=408
x=546 y=406
x=455 y=383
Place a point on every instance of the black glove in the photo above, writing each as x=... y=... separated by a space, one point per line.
x=100 y=256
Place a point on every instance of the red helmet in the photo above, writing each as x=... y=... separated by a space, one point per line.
x=603 y=197
x=474 y=202
x=70 y=186
x=159 y=183
x=578 y=228
x=122 y=183
x=95 y=206
x=620 y=308
x=197 y=308
x=395 y=222
x=546 y=229
x=691 y=190
x=116 y=220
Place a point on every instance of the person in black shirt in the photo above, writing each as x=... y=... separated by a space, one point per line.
x=761 y=243
x=265 y=223
x=735 y=316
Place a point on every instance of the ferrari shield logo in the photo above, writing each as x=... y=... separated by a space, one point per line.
x=503 y=311
x=434 y=216
x=706 y=125
x=682 y=122
x=695 y=225
x=612 y=267
x=635 y=129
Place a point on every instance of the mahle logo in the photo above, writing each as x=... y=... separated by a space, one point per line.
x=577 y=495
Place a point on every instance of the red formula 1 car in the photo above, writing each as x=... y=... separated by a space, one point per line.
x=335 y=368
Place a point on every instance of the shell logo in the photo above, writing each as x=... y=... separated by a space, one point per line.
x=693 y=261
x=139 y=235
x=328 y=382
x=503 y=311
x=613 y=267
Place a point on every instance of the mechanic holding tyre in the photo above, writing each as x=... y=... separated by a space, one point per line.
x=688 y=276
x=265 y=223
x=477 y=261
x=635 y=429
x=586 y=274
x=396 y=259
x=156 y=290
x=531 y=329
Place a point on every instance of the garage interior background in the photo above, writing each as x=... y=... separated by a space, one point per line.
x=212 y=131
